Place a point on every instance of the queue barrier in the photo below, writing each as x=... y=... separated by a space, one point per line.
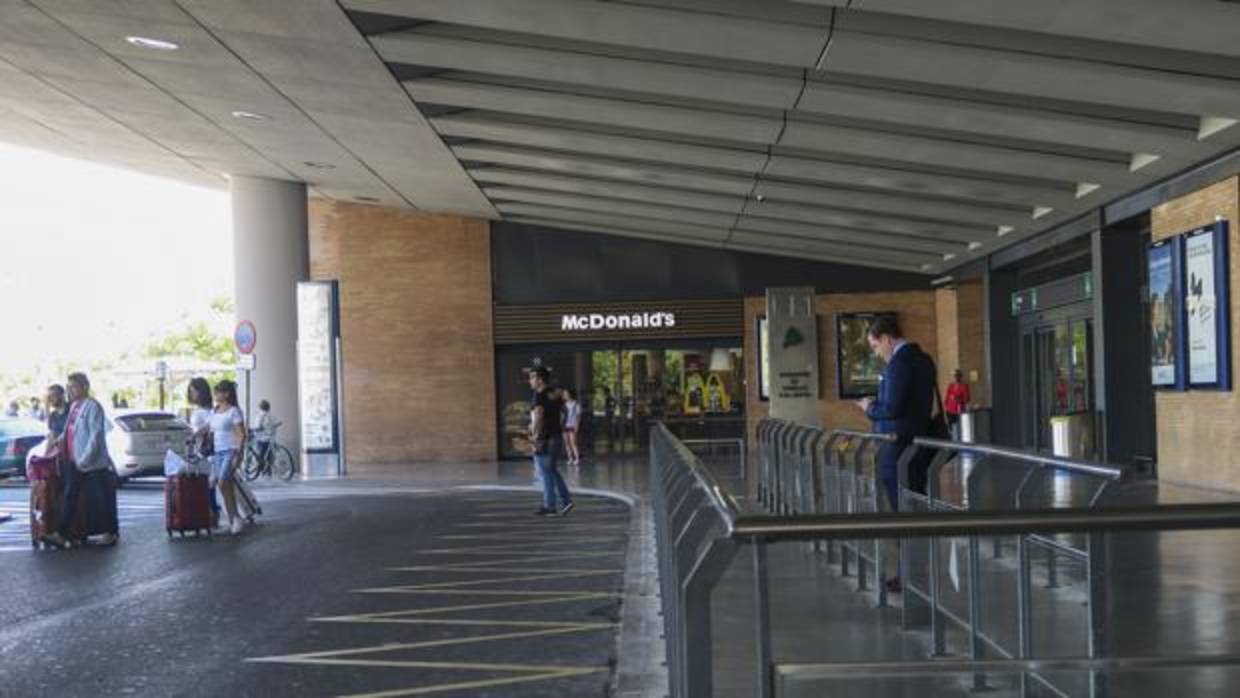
x=820 y=488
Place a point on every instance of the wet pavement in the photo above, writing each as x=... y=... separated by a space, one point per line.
x=343 y=589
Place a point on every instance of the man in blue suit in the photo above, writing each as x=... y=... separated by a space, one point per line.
x=903 y=405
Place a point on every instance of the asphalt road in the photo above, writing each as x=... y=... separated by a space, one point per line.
x=343 y=592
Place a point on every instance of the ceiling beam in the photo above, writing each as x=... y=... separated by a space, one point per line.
x=620 y=24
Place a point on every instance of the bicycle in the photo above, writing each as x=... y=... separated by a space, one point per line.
x=275 y=460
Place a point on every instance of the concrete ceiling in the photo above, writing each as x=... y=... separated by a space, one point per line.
x=905 y=134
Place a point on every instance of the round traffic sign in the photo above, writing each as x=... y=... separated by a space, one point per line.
x=245 y=337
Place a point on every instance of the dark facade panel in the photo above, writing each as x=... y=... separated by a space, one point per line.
x=624 y=321
x=533 y=264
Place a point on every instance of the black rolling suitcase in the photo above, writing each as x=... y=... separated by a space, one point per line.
x=247 y=503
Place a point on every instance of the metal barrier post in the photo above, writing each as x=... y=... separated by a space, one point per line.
x=762 y=623
x=826 y=460
x=1096 y=549
x=976 y=650
x=880 y=584
x=938 y=639
x=1052 y=569
x=841 y=498
x=698 y=650
x=849 y=501
x=858 y=500
x=1024 y=616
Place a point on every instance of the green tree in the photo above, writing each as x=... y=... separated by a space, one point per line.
x=208 y=340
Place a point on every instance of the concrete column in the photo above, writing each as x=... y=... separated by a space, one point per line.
x=271 y=251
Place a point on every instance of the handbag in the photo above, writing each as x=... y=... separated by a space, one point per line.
x=206 y=444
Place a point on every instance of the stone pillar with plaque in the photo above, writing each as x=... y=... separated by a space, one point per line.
x=793 y=331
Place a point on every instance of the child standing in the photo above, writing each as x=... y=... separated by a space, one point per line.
x=572 y=418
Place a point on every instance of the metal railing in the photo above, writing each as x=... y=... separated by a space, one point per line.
x=720 y=452
x=1091 y=555
x=701 y=527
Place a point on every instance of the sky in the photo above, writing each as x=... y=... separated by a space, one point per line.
x=94 y=260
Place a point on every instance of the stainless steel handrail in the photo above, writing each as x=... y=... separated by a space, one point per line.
x=1167 y=517
x=1079 y=467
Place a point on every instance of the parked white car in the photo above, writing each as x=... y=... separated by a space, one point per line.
x=139 y=439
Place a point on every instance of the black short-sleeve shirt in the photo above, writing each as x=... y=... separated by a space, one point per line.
x=553 y=418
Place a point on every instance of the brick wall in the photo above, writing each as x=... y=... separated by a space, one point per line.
x=947 y=316
x=971 y=338
x=1198 y=440
x=916 y=310
x=415 y=306
x=962 y=338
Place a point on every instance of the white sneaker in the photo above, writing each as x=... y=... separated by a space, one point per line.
x=237 y=526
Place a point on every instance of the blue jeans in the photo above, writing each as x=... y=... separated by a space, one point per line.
x=552 y=482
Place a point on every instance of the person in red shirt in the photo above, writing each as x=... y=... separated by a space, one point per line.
x=956 y=402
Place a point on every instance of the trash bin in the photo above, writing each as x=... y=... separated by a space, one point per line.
x=1072 y=435
x=975 y=426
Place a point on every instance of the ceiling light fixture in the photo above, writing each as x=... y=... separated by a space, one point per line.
x=157 y=44
x=249 y=115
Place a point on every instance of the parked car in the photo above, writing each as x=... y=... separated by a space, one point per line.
x=17 y=437
x=139 y=439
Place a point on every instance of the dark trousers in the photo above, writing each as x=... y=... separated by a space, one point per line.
x=72 y=493
x=97 y=490
x=889 y=471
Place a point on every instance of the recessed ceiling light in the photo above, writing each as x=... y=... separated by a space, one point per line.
x=366 y=199
x=157 y=44
x=249 y=115
x=319 y=165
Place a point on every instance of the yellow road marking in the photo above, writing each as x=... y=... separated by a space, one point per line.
x=539 y=527
x=486 y=567
x=537 y=557
x=500 y=515
x=470 y=622
x=488 y=683
x=330 y=658
x=523 y=546
x=409 y=646
x=483 y=606
x=504 y=580
x=525 y=536
x=481 y=592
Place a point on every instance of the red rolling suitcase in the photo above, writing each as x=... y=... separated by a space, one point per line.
x=45 y=497
x=187 y=504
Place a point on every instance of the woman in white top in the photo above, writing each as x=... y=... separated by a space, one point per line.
x=228 y=430
x=572 y=420
x=199 y=397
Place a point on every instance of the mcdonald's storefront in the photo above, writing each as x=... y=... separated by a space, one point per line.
x=677 y=361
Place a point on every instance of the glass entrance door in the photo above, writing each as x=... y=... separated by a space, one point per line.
x=1057 y=363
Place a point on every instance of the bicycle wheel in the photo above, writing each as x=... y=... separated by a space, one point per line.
x=252 y=466
x=282 y=464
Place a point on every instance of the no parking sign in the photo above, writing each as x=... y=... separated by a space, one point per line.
x=245 y=337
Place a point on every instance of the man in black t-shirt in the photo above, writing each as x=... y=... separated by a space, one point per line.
x=547 y=433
